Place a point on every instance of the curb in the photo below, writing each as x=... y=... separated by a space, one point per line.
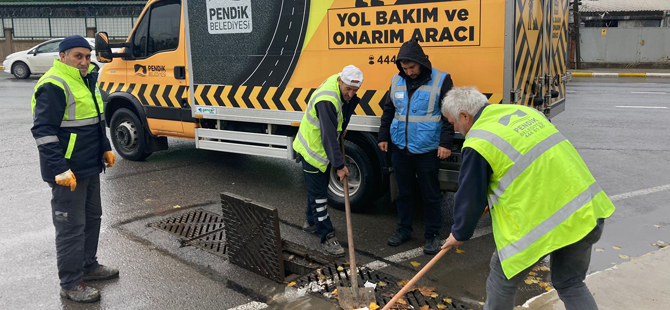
x=611 y=74
x=2 y=67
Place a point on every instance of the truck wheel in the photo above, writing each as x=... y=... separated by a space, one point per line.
x=360 y=180
x=21 y=70
x=128 y=135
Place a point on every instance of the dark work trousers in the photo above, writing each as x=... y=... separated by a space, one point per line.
x=76 y=217
x=316 y=183
x=421 y=168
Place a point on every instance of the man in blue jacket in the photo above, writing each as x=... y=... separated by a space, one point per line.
x=69 y=130
x=421 y=137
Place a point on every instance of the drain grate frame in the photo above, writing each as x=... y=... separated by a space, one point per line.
x=326 y=279
x=192 y=225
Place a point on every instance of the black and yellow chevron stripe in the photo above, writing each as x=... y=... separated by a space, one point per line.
x=150 y=94
x=285 y=99
x=250 y=97
x=528 y=62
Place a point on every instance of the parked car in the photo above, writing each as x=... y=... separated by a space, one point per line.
x=39 y=59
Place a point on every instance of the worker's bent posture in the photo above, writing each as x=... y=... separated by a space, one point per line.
x=69 y=129
x=326 y=116
x=542 y=197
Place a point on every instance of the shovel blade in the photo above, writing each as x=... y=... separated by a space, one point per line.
x=348 y=299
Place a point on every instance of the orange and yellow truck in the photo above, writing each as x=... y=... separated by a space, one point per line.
x=236 y=75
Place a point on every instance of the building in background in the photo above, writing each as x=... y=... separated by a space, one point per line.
x=623 y=34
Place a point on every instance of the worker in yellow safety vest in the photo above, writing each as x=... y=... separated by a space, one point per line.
x=326 y=117
x=69 y=130
x=541 y=195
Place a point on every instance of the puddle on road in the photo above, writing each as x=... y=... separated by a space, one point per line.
x=295 y=299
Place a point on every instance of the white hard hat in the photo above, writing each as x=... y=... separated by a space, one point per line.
x=352 y=76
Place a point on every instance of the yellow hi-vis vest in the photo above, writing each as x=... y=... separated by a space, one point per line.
x=542 y=195
x=308 y=142
x=80 y=108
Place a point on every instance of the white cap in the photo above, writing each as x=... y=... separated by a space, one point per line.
x=352 y=76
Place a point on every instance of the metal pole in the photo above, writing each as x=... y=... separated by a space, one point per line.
x=576 y=22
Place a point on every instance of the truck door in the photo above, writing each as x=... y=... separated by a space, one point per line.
x=156 y=70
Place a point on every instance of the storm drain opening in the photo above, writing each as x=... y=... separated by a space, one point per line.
x=197 y=228
x=324 y=280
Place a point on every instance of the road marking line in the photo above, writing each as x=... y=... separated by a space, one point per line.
x=276 y=62
x=264 y=83
x=295 y=52
x=640 y=192
x=290 y=24
x=639 y=107
x=269 y=46
x=254 y=305
x=286 y=38
x=292 y=10
x=271 y=72
x=282 y=51
x=414 y=253
x=650 y=92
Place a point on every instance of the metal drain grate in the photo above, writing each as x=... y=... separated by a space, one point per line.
x=327 y=278
x=192 y=225
x=252 y=231
x=214 y=243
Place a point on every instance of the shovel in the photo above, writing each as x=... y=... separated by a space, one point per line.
x=416 y=278
x=353 y=297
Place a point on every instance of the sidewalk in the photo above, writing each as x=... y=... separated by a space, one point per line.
x=614 y=72
x=641 y=283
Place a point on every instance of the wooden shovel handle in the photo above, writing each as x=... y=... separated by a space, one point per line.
x=416 y=278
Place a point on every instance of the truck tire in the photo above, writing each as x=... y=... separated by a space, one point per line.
x=20 y=70
x=361 y=178
x=128 y=135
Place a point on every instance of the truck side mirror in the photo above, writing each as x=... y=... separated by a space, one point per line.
x=102 y=49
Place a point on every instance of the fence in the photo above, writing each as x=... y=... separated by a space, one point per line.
x=34 y=22
x=648 y=47
x=44 y=28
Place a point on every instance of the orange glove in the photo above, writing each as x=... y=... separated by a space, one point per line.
x=110 y=159
x=67 y=179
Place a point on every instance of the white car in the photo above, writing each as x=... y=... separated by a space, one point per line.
x=39 y=59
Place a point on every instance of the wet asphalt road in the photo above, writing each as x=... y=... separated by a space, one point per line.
x=626 y=148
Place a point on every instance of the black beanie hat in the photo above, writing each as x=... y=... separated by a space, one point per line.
x=73 y=41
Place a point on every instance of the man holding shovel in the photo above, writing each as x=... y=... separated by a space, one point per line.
x=327 y=114
x=542 y=197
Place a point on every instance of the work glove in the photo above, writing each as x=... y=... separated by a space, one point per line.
x=67 y=179
x=110 y=158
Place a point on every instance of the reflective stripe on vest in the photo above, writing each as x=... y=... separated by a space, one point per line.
x=314 y=155
x=535 y=167
x=549 y=224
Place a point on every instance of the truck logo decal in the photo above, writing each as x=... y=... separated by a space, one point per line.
x=141 y=68
x=206 y=110
x=449 y=23
x=229 y=16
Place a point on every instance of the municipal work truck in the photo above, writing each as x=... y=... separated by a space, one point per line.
x=236 y=75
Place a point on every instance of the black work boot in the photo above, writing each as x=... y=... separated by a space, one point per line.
x=332 y=246
x=101 y=273
x=81 y=293
x=433 y=245
x=398 y=238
